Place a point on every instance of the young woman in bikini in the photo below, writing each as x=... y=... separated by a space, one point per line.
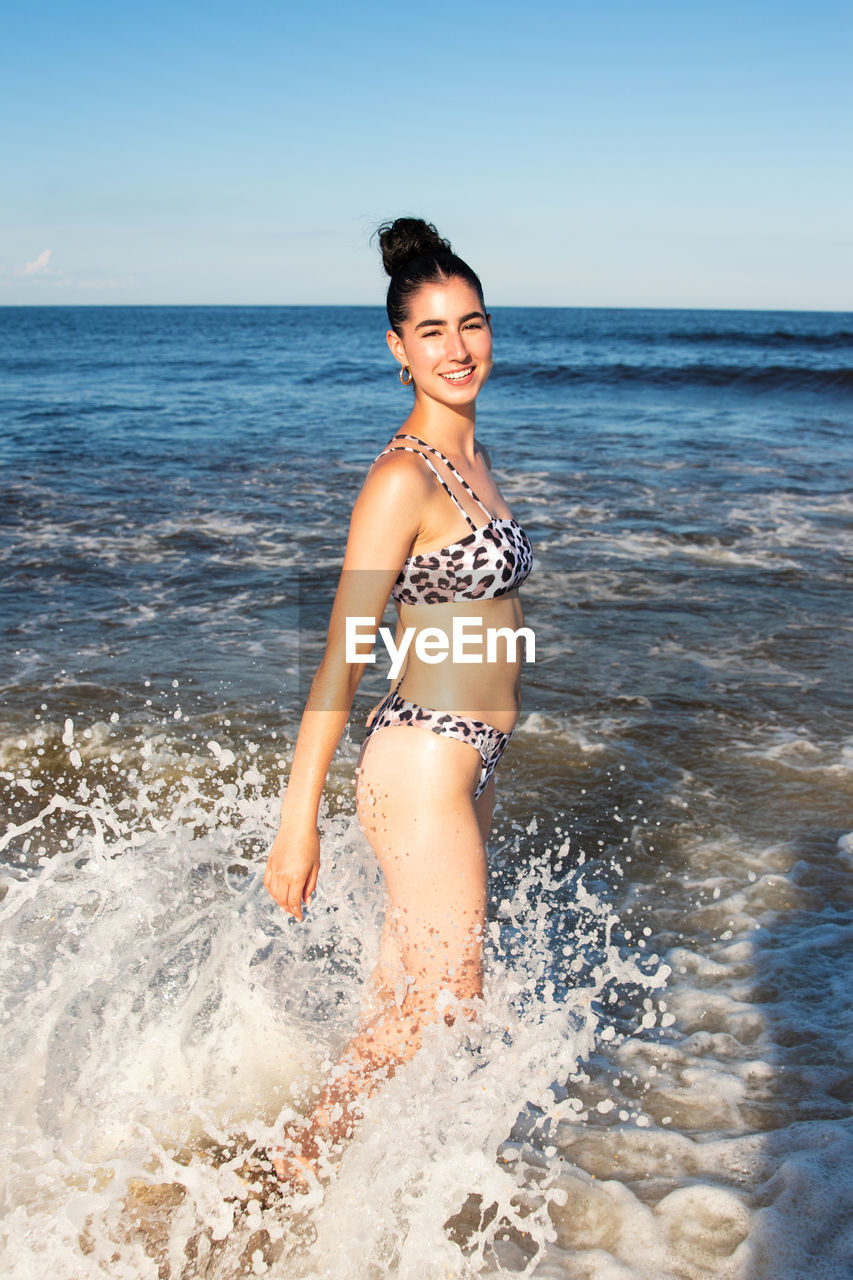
x=431 y=529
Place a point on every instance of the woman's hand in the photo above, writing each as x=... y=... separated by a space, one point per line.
x=292 y=867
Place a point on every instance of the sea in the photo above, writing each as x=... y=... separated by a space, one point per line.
x=659 y=1084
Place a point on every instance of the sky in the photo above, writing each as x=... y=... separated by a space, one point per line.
x=617 y=153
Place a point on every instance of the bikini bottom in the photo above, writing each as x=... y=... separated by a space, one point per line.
x=489 y=741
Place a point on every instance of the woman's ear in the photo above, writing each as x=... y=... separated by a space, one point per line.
x=395 y=346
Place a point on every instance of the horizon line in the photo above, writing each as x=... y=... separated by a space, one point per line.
x=366 y=306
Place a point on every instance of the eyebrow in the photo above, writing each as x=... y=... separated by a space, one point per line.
x=432 y=324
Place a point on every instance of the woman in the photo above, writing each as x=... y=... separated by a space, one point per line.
x=431 y=529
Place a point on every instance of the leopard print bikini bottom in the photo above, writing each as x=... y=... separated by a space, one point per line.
x=489 y=741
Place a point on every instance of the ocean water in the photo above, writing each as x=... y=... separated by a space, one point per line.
x=660 y=1085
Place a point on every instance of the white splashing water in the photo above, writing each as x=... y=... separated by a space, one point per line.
x=156 y=1004
x=161 y=1016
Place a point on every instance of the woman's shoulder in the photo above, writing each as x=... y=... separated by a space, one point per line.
x=403 y=461
x=389 y=506
x=399 y=473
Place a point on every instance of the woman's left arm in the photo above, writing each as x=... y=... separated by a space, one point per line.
x=384 y=523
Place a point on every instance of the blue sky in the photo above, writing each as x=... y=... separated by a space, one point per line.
x=618 y=154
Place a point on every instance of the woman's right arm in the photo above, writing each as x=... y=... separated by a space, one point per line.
x=384 y=524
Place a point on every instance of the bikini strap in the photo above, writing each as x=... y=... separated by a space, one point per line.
x=402 y=435
x=404 y=448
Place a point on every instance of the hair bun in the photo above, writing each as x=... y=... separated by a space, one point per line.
x=405 y=239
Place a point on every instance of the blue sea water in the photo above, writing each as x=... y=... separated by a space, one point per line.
x=672 y=851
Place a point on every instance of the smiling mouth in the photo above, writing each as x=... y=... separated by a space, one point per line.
x=460 y=375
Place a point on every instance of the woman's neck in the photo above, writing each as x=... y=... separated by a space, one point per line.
x=450 y=430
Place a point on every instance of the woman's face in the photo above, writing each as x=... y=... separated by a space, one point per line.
x=446 y=342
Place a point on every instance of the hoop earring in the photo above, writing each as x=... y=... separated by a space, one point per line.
x=407 y=382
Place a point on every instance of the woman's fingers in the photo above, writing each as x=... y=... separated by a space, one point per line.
x=292 y=868
x=291 y=888
x=287 y=892
x=293 y=902
x=311 y=883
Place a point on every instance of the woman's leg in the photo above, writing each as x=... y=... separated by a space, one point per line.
x=484 y=807
x=389 y=976
x=388 y=979
x=415 y=802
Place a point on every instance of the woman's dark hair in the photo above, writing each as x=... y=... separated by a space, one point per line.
x=414 y=254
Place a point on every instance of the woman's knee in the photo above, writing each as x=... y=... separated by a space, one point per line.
x=444 y=963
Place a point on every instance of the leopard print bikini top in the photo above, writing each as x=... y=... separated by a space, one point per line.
x=490 y=562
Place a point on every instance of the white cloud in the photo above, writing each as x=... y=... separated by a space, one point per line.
x=55 y=278
x=39 y=264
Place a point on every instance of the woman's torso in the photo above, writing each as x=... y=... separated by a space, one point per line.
x=459 y=598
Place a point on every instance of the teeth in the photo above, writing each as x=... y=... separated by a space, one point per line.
x=456 y=377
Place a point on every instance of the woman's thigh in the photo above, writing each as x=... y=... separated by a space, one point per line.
x=415 y=803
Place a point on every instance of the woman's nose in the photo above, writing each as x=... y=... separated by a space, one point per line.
x=456 y=349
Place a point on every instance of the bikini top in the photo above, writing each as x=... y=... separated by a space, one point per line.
x=490 y=562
